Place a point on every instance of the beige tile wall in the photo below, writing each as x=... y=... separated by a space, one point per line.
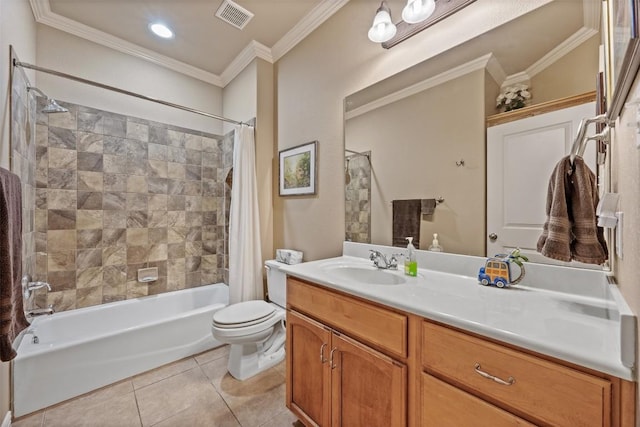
x=115 y=194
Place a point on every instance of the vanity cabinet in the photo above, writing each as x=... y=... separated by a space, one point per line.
x=506 y=385
x=351 y=362
x=334 y=379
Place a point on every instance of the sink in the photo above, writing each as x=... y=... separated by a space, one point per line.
x=367 y=275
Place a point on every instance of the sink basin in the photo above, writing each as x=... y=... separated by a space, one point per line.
x=367 y=275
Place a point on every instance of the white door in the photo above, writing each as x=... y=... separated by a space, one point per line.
x=521 y=156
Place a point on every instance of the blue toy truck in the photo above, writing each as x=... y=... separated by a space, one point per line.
x=497 y=270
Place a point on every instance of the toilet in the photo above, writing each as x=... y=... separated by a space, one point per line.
x=255 y=330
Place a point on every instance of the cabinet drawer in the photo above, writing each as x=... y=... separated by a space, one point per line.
x=546 y=392
x=444 y=405
x=377 y=326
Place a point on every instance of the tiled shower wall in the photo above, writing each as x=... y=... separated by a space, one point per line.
x=358 y=198
x=115 y=194
x=23 y=157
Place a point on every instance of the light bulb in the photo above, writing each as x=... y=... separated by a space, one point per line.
x=417 y=10
x=382 y=29
x=161 y=30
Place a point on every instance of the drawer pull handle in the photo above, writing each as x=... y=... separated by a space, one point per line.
x=322 y=359
x=509 y=381
x=331 y=358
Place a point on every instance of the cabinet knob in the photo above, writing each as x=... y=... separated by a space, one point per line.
x=493 y=237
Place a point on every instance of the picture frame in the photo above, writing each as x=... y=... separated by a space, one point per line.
x=298 y=170
x=624 y=52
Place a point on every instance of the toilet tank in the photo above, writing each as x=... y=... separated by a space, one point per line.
x=276 y=283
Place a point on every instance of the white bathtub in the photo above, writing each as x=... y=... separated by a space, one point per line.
x=85 y=349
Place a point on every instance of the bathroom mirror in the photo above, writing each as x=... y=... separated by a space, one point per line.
x=421 y=133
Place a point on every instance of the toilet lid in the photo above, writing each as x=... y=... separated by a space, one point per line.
x=243 y=313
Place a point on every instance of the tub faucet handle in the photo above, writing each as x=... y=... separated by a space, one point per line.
x=28 y=286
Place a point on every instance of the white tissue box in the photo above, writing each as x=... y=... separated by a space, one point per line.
x=288 y=256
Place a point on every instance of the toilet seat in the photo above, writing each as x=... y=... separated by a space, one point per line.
x=246 y=321
x=243 y=314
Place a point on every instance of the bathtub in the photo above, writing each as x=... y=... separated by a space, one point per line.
x=85 y=349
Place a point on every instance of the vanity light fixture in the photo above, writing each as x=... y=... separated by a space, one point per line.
x=418 y=10
x=416 y=16
x=382 y=29
x=161 y=30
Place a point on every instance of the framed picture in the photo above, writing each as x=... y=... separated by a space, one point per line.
x=624 y=51
x=298 y=170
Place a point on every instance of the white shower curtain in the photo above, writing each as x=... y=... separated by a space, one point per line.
x=245 y=258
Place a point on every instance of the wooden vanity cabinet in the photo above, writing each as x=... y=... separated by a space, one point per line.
x=504 y=386
x=333 y=379
x=351 y=362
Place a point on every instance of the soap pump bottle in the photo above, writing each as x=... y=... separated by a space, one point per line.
x=410 y=263
x=435 y=245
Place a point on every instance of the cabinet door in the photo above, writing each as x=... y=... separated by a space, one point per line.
x=444 y=405
x=368 y=388
x=308 y=373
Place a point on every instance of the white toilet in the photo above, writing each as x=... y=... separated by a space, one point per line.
x=255 y=329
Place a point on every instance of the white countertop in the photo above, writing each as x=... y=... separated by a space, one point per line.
x=579 y=327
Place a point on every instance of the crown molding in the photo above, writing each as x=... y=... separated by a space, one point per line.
x=252 y=51
x=564 y=48
x=495 y=70
x=43 y=14
x=461 y=70
x=521 y=77
x=592 y=11
x=323 y=11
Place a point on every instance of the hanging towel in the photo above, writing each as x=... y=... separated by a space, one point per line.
x=588 y=245
x=428 y=206
x=570 y=231
x=406 y=222
x=12 y=318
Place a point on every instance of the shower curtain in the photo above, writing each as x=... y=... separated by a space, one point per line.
x=245 y=258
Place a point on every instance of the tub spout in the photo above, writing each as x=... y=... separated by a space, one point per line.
x=35 y=312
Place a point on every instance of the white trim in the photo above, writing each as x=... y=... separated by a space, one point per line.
x=252 y=51
x=319 y=14
x=592 y=11
x=495 y=70
x=44 y=15
x=323 y=11
x=567 y=46
x=521 y=77
x=461 y=70
x=7 y=420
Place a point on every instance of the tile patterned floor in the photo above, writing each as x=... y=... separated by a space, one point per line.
x=196 y=391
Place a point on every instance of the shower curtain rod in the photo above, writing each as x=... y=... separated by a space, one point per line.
x=17 y=63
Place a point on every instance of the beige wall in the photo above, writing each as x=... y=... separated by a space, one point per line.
x=17 y=28
x=555 y=82
x=626 y=181
x=73 y=55
x=239 y=96
x=415 y=143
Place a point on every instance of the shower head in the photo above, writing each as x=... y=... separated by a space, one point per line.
x=52 y=105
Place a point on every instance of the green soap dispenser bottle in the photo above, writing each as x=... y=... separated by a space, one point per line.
x=410 y=263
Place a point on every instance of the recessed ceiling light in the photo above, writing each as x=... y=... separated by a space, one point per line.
x=161 y=30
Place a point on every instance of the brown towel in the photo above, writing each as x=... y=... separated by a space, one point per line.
x=428 y=206
x=571 y=231
x=12 y=319
x=406 y=222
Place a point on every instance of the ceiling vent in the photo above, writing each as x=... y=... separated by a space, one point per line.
x=234 y=14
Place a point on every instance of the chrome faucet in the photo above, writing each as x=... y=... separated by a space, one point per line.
x=380 y=260
x=28 y=286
